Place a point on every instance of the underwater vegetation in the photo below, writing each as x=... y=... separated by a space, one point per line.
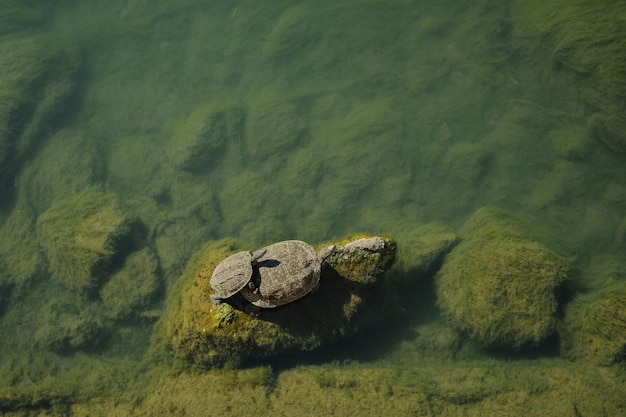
x=142 y=142
x=499 y=287
x=352 y=296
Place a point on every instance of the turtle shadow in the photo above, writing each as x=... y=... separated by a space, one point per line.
x=268 y=263
x=333 y=310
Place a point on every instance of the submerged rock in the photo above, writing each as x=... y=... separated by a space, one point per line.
x=594 y=327
x=66 y=332
x=498 y=286
x=132 y=288
x=201 y=139
x=38 y=83
x=351 y=296
x=83 y=236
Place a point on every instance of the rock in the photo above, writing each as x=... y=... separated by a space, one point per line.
x=68 y=332
x=37 y=84
x=67 y=164
x=467 y=162
x=83 y=236
x=352 y=295
x=201 y=139
x=586 y=42
x=131 y=289
x=571 y=142
x=5 y=286
x=362 y=260
x=421 y=250
x=498 y=286
x=273 y=130
x=25 y=262
x=594 y=327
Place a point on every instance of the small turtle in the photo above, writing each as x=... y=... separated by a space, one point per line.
x=287 y=271
x=233 y=274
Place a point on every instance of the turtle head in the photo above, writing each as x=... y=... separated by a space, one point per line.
x=325 y=252
x=257 y=255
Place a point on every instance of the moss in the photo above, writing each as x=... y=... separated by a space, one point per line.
x=22 y=16
x=467 y=162
x=500 y=288
x=571 y=142
x=585 y=42
x=131 y=289
x=594 y=327
x=67 y=164
x=361 y=266
x=200 y=140
x=422 y=249
x=204 y=335
x=69 y=323
x=22 y=253
x=36 y=82
x=273 y=130
x=82 y=236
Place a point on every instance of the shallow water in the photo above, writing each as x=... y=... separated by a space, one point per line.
x=336 y=118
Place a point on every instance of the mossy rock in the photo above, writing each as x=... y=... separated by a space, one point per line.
x=586 y=42
x=594 y=327
x=499 y=287
x=351 y=296
x=67 y=323
x=200 y=140
x=68 y=163
x=422 y=250
x=83 y=236
x=5 y=285
x=36 y=85
x=273 y=129
x=130 y=290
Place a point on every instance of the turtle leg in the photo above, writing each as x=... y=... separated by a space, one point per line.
x=216 y=299
x=252 y=310
x=253 y=288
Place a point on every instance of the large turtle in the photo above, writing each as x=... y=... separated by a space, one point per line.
x=287 y=271
x=233 y=274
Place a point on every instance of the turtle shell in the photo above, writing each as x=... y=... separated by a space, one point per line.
x=288 y=271
x=232 y=274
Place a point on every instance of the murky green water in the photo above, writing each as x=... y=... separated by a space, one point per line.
x=333 y=118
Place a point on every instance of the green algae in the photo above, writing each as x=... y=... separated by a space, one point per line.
x=38 y=82
x=392 y=115
x=203 y=335
x=83 y=236
x=593 y=326
x=584 y=41
x=500 y=287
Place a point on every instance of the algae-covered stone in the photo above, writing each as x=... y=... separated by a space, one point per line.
x=362 y=260
x=594 y=327
x=18 y=245
x=498 y=286
x=36 y=82
x=422 y=249
x=69 y=332
x=5 y=285
x=351 y=296
x=201 y=139
x=586 y=42
x=272 y=129
x=68 y=163
x=82 y=236
x=131 y=289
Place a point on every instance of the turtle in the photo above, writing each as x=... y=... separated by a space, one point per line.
x=233 y=274
x=287 y=271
